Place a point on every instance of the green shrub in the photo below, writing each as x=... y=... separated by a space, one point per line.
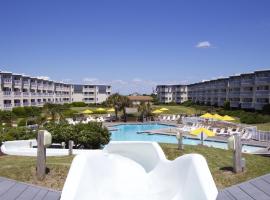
x=78 y=104
x=18 y=133
x=91 y=135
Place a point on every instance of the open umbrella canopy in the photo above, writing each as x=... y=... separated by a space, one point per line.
x=164 y=109
x=111 y=110
x=100 y=109
x=217 y=117
x=157 y=111
x=228 y=118
x=204 y=131
x=207 y=115
x=87 y=111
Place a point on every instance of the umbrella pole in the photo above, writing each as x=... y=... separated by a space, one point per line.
x=201 y=138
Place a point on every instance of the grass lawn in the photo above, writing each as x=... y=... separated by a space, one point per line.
x=219 y=161
x=264 y=126
x=177 y=109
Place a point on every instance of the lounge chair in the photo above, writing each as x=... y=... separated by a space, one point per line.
x=173 y=118
x=168 y=118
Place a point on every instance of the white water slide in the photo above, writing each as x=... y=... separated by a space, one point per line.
x=138 y=171
x=128 y=171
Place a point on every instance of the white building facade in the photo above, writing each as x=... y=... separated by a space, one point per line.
x=20 y=90
x=246 y=91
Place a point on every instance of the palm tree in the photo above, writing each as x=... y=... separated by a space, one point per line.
x=114 y=101
x=125 y=102
x=55 y=111
x=145 y=110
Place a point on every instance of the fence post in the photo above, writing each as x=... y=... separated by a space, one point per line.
x=70 y=147
x=41 y=156
x=237 y=160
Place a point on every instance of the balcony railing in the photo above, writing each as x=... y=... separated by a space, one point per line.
x=17 y=104
x=17 y=94
x=7 y=93
x=264 y=93
x=25 y=103
x=33 y=103
x=7 y=80
x=17 y=82
x=247 y=82
x=262 y=80
x=25 y=94
x=7 y=105
x=247 y=105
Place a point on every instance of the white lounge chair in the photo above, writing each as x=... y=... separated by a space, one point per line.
x=168 y=118
x=138 y=171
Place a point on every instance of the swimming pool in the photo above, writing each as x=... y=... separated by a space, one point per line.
x=129 y=132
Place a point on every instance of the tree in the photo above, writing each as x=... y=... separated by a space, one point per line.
x=145 y=110
x=55 y=111
x=124 y=103
x=227 y=105
x=114 y=101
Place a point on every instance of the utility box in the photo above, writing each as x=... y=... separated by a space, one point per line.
x=231 y=143
x=47 y=138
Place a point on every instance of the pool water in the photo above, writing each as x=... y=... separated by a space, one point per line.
x=129 y=132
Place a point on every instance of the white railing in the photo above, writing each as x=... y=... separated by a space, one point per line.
x=261 y=135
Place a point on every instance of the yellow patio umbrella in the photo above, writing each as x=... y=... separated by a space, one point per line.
x=100 y=109
x=228 y=118
x=207 y=115
x=87 y=111
x=217 y=117
x=157 y=111
x=111 y=110
x=202 y=133
x=164 y=109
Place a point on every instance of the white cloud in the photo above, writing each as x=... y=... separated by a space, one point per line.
x=44 y=77
x=204 y=44
x=91 y=80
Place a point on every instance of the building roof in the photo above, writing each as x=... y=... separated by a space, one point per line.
x=140 y=98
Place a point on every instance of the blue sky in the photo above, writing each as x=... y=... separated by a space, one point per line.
x=134 y=44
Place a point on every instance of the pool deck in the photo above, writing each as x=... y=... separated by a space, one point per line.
x=14 y=190
x=255 y=189
x=172 y=132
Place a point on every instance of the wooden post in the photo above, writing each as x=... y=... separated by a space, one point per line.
x=179 y=137
x=70 y=147
x=201 y=138
x=41 y=156
x=237 y=160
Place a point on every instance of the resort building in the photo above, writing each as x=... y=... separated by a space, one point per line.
x=171 y=93
x=94 y=94
x=247 y=91
x=138 y=99
x=20 y=90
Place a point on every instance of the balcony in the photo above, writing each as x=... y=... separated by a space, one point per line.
x=246 y=94
x=17 y=83
x=7 y=106
x=259 y=106
x=33 y=85
x=26 y=104
x=26 y=94
x=26 y=84
x=7 y=80
x=247 y=105
x=234 y=94
x=234 y=104
x=7 y=93
x=262 y=93
x=247 y=82
x=233 y=84
x=17 y=104
x=17 y=94
x=262 y=80
x=33 y=103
